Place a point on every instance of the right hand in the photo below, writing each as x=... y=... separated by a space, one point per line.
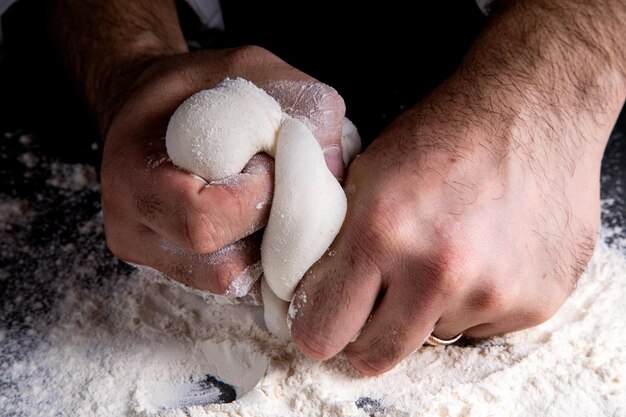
x=155 y=214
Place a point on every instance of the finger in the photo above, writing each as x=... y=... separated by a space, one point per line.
x=503 y=324
x=230 y=271
x=458 y=316
x=334 y=161
x=332 y=303
x=485 y=301
x=536 y=310
x=203 y=217
x=500 y=306
x=448 y=327
x=398 y=326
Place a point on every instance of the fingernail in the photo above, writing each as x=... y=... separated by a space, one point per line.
x=334 y=161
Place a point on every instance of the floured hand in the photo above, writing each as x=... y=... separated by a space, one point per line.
x=201 y=234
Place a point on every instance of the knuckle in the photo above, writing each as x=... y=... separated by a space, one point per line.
x=450 y=267
x=195 y=275
x=378 y=234
x=447 y=280
x=328 y=99
x=495 y=298
x=221 y=279
x=316 y=104
x=328 y=106
x=384 y=351
x=450 y=282
x=249 y=54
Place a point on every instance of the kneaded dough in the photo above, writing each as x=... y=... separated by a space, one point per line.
x=307 y=211
x=275 y=312
x=215 y=132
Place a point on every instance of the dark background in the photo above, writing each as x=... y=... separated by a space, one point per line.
x=350 y=48
x=367 y=53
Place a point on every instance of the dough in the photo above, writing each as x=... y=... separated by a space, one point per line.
x=275 y=312
x=214 y=133
x=307 y=212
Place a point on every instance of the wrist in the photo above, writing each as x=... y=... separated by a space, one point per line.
x=108 y=44
x=108 y=90
x=120 y=75
x=543 y=76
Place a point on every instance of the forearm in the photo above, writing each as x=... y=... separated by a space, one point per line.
x=547 y=69
x=107 y=43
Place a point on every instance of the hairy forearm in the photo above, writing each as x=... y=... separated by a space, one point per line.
x=534 y=40
x=550 y=71
x=107 y=43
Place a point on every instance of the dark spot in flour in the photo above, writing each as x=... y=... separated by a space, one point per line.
x=372 y=407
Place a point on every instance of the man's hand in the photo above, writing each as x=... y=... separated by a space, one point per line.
x=158 y=215
x=478 y=209
x=135 y=73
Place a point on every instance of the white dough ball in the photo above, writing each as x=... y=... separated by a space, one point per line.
x=215 y=132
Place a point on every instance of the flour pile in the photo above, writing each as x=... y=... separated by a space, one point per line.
x=110 y=341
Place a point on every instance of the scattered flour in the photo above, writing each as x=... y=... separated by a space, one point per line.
x=110 y=341
x=135 y=350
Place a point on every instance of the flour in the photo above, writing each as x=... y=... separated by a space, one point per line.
x=134 y=352
x=83 y=336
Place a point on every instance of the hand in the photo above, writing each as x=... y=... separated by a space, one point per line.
x=477 y=210
x=203 y=235
x=446 y=230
